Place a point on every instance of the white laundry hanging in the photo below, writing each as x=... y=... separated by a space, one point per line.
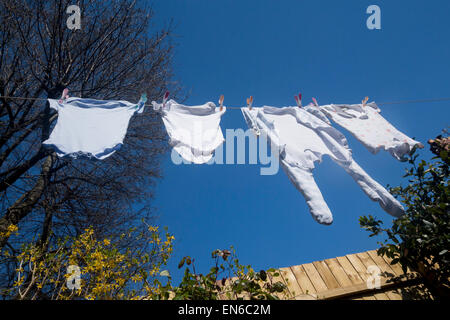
x=302 y=139
x=367 y=125
x=89 y=127
x=194 y=131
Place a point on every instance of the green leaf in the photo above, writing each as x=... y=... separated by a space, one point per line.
x=263 y=275
x=181 y=264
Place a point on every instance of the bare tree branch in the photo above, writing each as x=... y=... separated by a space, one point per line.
x=116 y=55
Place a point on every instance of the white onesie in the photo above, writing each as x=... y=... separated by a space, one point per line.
x=194 y=132
x=367 y=125
x=88 y=127
x=302 y=139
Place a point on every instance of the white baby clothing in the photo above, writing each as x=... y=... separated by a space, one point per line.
x=367 y=125
x=194 y=131
x=317 y=112
x=89 y=127
x=302 y=139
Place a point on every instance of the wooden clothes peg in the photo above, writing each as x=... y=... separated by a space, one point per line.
x=221 y=102
x=250 y=102
x=364 y=101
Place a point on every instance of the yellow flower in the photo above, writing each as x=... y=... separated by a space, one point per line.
x=12 y=228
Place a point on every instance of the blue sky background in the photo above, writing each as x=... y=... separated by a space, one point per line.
x=273 y=50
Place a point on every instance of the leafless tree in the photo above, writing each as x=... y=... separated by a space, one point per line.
x=117 y=54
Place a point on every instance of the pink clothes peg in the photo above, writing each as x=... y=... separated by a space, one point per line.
x=315 y=102
x=64 y=95
x=298 y=100
x=166 y=96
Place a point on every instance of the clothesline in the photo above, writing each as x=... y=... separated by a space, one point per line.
x=392 y=102
x=299 y=137
x=379 y=103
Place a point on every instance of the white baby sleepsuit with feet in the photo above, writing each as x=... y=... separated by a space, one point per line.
x=302 y=139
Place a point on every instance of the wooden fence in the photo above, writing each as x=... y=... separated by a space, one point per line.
x=347 y=277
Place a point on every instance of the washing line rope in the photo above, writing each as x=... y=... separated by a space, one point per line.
x=380 y=103
x=391 y=102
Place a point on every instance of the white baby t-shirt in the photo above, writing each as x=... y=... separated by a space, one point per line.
x=89 y=127
x=194 y=131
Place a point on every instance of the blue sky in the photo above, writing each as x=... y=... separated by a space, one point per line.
x=273 y=50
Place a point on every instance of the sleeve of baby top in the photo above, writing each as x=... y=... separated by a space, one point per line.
x=194 y=131
x=367 y=125
x=88 y=127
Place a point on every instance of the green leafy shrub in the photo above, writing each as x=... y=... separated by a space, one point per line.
x=227 y=279
x=420 y=239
